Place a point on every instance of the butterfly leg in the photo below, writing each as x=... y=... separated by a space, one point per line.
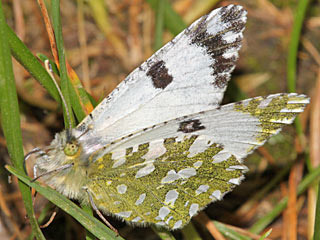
x=53 y=171
x=93 y=205
x=27 y=156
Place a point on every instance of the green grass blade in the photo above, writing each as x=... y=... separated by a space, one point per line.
x=230 y=233
x=64 y=79
x=316 y=234
x=172 y=21
x=163 y=234
x=159 y=25
x=190 y=232
x=75 y=103
x=92 y=224
x=10 y=119
x=293 y=52
x=23 y=55
x=43 y=58
x=294 y=44
x=264 y=236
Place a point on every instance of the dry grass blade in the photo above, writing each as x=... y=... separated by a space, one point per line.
x=208 y=223
x=314 y=152
x=83 y=99
x=292 y=204
x=83 y=46
x=50 y=31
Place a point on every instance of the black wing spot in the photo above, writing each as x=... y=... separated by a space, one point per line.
x=191 y=126
x=159 y=75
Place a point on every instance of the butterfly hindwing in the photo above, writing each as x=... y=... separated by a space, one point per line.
x=167 y=173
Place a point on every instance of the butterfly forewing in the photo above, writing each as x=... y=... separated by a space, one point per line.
x=187 y=75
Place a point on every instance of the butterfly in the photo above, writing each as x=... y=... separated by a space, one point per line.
x=160 y=147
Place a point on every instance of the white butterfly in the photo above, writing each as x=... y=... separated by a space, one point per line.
x=160 y=147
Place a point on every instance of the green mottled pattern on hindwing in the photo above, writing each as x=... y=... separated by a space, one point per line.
x=173 y=188
x=271 y=118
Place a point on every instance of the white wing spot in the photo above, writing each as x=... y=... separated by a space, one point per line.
x=229 y=53
x=202 y=189
x=171 y=197
x=149 y=168
x=187 y=172
x=230 y=36
x=171 y=177
x=119 y=162
x=186 y=204
x=161 y=223
x=116 y=202
x=197 y=164
x=156 y=149
x=193 y=209
x=141 y=199
x=109 y=182
x=136 y=219
x=122 y=188
x=168 y=220
x=163 y=212
x=178 y=224
x=216 y=194
x=124 y=214
x=237 y=167
x=221 y=156
x=236 y=181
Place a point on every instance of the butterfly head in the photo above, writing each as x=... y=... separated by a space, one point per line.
x=61 y=165
x=72 y=148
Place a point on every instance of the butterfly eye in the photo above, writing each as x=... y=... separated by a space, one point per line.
x=71 y=149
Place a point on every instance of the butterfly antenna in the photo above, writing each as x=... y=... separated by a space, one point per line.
x=49 y=70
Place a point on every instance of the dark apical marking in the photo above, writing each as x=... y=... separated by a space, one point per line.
x=221 y=80
x=190 y=126
x=216 y=46
x=90 y=115
x=130 y=135
x=159 y=75
x=229 y=15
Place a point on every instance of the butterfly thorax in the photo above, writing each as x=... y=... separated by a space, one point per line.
x=65 y=150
